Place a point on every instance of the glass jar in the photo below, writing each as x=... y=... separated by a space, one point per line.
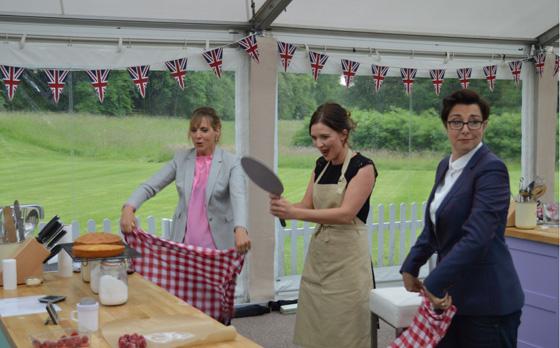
x=84 y=270
x=113 y=282
x=95 y=269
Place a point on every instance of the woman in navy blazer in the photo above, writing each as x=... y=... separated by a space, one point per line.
x=465 y=221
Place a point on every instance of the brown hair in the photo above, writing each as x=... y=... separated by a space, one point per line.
x=333 y=116
x=464 y=96
x=205 y=112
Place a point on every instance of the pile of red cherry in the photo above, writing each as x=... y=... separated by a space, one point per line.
x=132 y=341
x=74 y=340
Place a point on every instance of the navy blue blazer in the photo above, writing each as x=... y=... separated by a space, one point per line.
x=473 y=264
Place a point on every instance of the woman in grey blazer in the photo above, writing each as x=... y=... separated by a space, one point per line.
x=211 y=211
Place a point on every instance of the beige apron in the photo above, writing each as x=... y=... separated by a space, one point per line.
x=333 y=299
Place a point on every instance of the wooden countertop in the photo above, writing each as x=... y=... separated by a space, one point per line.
x=541 y=234
x=145 y=300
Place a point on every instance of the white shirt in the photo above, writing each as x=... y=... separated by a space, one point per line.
x=453 y=172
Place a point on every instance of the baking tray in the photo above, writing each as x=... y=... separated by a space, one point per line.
x=127 y=253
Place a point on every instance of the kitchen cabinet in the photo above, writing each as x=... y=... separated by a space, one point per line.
x=535 y=255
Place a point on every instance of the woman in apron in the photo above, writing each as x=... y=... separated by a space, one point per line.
x=337 y=276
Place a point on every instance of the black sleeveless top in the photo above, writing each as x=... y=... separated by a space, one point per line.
x=332 y=174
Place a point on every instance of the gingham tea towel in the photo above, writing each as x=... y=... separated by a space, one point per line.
x=205 y=278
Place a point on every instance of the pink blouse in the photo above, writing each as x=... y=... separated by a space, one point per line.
x=197 y=231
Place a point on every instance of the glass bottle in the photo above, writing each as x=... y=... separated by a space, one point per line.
x=113 y=282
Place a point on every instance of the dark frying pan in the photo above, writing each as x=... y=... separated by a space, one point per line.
x=263 y=177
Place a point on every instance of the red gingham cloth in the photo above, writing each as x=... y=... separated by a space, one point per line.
x=427 y=328
x=205 y=278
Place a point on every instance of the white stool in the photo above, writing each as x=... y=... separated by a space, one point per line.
x=395 y=306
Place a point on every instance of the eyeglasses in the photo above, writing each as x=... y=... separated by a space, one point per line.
x=457 y=125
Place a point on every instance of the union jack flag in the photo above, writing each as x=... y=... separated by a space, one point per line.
x=408 y=75
x=464 y=75
x=56 y=82
x=349 y=69
x=10 y=76
x=490 y=74
x=379 y=72
x=139 y=75
x=556 y=66
x=99 y=82
x=249 y=44
x=539 y=63
x=214 y=60
x=178 y=69
x=318 y=61
x=437 y=76
x=515 y=68
x=286 y=51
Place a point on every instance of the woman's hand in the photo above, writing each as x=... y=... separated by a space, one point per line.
x=128 y=220
x=242 y=241
x=439 y=303
x=411 y=283
x=280 y=207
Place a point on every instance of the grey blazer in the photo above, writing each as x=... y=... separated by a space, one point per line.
x=226 y=198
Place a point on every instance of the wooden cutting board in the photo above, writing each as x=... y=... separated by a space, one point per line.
x=170 y=331
x=10 y=235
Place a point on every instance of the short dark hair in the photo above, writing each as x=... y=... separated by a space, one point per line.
x=334 y=116
x=464 y=96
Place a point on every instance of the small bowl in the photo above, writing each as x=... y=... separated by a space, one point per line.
x=33 y=281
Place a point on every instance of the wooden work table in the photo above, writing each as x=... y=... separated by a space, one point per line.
x=145 y=300
x=542 y=234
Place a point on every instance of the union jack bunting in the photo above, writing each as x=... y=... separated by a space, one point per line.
x=249 y=44
x=408 y=75
x=286 y=51
x=515 y=68
x=178 y=69
x=139 y=75
x=99 y=82
x=349 y=69
x=379 y=72
x=437 y=76
x=10 y=76
x=556 y=66
x=539 y=63
x=318 y=61
x=214 y=60
x=490 y=75
x=464 y=75
x=56 y=82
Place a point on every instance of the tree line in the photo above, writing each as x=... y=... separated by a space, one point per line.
x=298 y=95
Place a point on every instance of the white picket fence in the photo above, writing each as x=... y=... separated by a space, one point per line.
x=409 y=222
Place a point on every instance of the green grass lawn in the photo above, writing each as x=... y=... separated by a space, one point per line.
x=84 y=167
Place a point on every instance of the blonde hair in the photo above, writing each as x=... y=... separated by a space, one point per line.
x=209 y=113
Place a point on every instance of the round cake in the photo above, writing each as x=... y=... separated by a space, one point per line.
x=97 y=250
x=98 y=238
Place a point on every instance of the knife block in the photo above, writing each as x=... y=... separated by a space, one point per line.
x=29 y=257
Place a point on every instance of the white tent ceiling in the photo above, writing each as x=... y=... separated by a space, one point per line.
x=78 y=33
x=500 y=19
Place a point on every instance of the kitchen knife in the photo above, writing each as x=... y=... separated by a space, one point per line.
x=50 y=235
x=19 y=222
x=47 y=228
x=56 y=238
x=10 y=235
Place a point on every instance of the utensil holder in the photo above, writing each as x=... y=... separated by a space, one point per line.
x=526 y=215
